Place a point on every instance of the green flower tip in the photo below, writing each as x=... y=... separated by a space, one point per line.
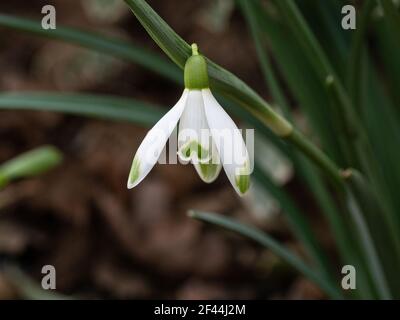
x=134 y=173
x=196 y=73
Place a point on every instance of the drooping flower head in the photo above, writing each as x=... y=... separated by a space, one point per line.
x=207 y=137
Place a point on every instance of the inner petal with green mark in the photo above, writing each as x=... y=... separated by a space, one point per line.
x=210 y=170
x=194 y=136
x=194 y=151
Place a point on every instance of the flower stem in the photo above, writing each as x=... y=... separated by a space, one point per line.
x=317 y=156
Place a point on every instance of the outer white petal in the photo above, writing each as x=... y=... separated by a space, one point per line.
x=153 y=143
x=229 y=142
x=194 y=135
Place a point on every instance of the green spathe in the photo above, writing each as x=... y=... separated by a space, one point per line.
x=196 y=73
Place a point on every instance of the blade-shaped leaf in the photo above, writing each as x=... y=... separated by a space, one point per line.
x=29 y=164
x=97 y=106
x=268 y=242
x=97 y=42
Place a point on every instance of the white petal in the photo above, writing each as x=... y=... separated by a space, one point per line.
x=194 y=135
x=153 y=143
x=229 y=141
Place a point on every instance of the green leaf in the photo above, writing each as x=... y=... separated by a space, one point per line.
x=369 y=249
x=29 y=164
x=388 y=46
x=299 y=75
x=97 y=42
x=357 y=60
x=324 y=19
x=371 y=207
x=343 y=110
x=268 y=242
x=298 y=223
x=97 y=106
x=291 y=60
x=392 y=15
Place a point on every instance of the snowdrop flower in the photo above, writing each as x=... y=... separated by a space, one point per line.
x=207 y=136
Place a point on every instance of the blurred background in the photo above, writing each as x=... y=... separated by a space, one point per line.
x=109 y=242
